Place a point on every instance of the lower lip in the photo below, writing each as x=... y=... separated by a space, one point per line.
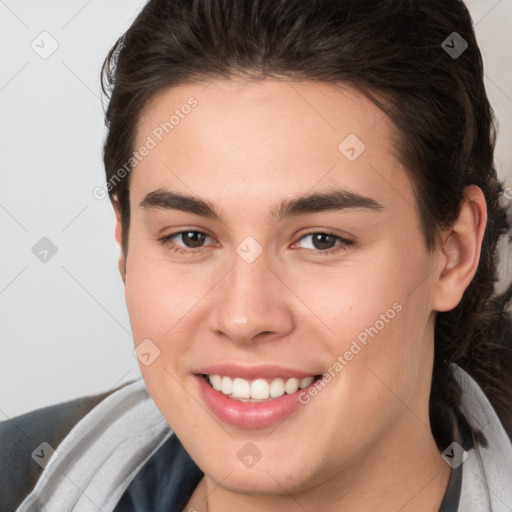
x=249 y=414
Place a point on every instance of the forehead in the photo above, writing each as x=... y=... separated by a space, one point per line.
x=258 y=137
x=262 y=109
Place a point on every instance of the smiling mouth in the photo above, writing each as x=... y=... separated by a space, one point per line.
x=258 y=390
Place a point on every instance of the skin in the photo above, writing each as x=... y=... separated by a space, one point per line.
x=364 y=442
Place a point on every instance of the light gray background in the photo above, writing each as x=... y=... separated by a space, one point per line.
x=64 y=329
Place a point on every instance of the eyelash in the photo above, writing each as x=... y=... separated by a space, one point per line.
x=345 y=243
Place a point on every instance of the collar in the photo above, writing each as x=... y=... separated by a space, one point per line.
x=105 y=450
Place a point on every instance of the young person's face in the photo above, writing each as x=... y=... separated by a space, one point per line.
x=262 y=297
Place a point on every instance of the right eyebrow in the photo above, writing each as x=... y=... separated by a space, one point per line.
x=167 y=199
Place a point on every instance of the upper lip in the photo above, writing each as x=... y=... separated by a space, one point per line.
x=252 y=372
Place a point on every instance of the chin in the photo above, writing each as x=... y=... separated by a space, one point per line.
x=266 y=477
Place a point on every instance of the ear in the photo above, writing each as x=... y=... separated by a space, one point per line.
x=119 y=237
x=459 y=252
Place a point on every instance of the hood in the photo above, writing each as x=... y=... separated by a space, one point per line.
x=487 y=466
x=104 y=451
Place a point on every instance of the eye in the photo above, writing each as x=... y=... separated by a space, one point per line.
x=322 y=242
x=192 y=240
x=325 y=243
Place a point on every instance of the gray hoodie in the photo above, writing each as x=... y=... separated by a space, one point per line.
x=103 y=453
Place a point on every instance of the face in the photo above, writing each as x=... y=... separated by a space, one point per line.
x=298 y=254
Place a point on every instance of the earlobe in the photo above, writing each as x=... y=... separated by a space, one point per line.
x=119 y=237
x=459 y=252
x=122 y=268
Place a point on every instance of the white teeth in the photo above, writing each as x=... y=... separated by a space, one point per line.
x=216 y=382
x=277 y=388
x=241 y=388
x=259 y=389
x=291 y=385
x=305 y=382
x=227 y=385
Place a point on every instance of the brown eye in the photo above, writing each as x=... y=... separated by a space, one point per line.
x=190 y=239
x=326 y=243
x=323 y=241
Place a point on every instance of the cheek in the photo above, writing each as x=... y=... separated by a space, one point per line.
x=373 y=314
x=158 y=302
x=158 y=294
x=353 y=295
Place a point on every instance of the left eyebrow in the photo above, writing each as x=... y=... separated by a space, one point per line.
x=330 y=200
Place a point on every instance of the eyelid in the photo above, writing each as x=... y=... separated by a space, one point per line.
x=343 y=245
x=165 y=239
x=344 y=241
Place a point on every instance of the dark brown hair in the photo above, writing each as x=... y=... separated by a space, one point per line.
x=392 y=52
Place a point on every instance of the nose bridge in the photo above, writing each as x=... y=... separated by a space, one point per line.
x=252 y=300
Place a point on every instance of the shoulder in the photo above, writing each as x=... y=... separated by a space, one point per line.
x=22 y=452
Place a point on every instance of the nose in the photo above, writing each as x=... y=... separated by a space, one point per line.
x=251 y=303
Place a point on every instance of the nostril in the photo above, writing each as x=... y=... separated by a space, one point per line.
x=263 y=333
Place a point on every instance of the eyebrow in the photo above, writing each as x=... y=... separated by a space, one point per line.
x=330 y=200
